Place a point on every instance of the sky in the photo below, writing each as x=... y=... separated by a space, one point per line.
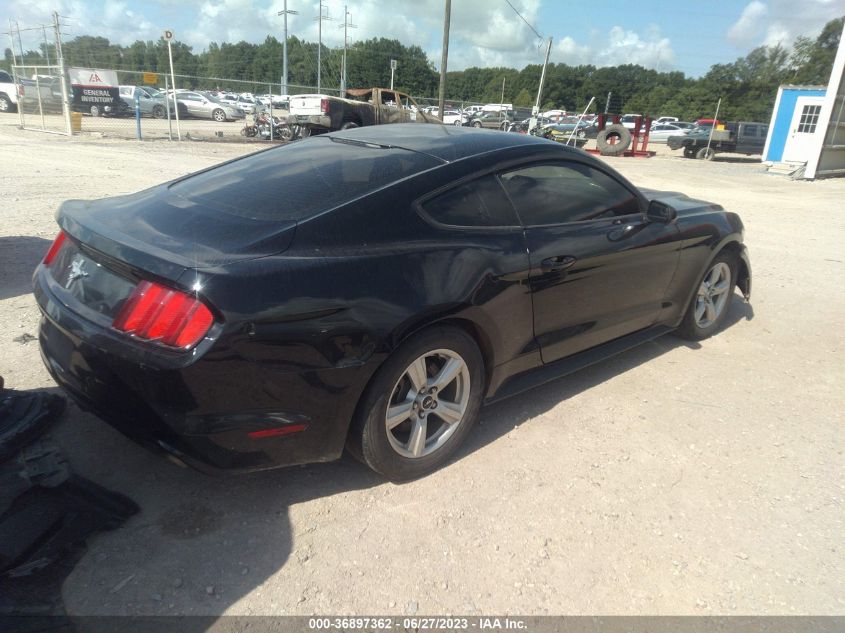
x=684 y=35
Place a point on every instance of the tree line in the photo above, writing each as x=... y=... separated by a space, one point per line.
x=747 y=86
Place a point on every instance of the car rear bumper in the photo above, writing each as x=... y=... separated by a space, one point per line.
x=221 y=412
x=314 y=120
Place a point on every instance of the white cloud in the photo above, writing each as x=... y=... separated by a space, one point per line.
x=618 y=45
x=114 y=20
x=750 y=23
x=781 y=21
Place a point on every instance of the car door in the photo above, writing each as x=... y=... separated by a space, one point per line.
x=599 y=269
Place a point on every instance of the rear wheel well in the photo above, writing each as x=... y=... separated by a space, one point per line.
x=472 y=329
x=480 y=338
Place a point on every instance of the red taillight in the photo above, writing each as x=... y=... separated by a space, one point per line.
x=163 y=315
x=54 y=248
x=324 y=106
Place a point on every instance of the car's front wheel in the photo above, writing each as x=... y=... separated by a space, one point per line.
x=420 y=405
x=159 y=112
x=709 y=306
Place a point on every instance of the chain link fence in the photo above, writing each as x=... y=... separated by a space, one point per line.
x=145 y=106
x=40 y=98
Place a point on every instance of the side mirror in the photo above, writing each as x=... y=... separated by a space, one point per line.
x=661 y=212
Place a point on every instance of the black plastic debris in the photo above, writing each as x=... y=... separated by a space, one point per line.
x=24 y=416
x=46 y=512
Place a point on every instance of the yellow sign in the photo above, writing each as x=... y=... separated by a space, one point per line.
x=150 y=79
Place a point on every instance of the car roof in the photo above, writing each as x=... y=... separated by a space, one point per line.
x=446 y=142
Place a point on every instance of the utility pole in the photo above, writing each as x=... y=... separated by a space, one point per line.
x=20 y=43
x=392 y=71
x=285 y=12
x=447 y=18
x=320 y=19
x=346 y=25
x=168 y=35
x=502 y=102
x=61 y=63
x=607 y=103
x=15 y=70
x=536 y=109
x=46 y=45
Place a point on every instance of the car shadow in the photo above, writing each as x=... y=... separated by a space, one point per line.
x=201 y=543
x=19 y=255
x=727 y=158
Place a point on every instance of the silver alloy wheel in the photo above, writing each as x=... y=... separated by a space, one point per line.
x=427 y=403
x=712 y=295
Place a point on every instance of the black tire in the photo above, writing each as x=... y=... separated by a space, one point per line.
x=218 y=115
x=304 y=131
x=348 y=125
x=689 y=152
x=476 y=124
x=705 y=153
x=613 y=140
x=159 y=112
x=6 y=104
x=285 y=133
x=458 y=123
x=368 y=438
x=690 y=328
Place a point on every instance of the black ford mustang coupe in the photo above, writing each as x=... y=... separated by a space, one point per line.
x=368 y=289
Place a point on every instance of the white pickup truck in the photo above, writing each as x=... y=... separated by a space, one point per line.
x=8 y=94
x=317 y=113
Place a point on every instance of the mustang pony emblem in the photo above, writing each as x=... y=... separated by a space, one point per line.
x=77 y=270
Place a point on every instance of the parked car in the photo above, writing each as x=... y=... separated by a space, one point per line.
x=8 y=93
x=250 y=316
x=500 y=120
x=152 y=102
x=661 y=133
x=247 y=104
x=630 y=120
x=205 y=106
x=744 y=137
x=454 y=117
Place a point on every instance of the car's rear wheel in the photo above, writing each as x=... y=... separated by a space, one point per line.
x=709 y=305
x=218 y=115
x=420 y=405
x=348 y=125
x=476 y=124
x=705 y=153
x=6 y=104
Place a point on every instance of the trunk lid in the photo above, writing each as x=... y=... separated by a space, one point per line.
x=165 y=233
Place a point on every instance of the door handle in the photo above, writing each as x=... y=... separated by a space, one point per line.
x=560 y=262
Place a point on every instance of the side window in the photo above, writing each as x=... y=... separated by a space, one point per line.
x=751 y=130
x=556 y=194
x=5 y=77
x=476 y=203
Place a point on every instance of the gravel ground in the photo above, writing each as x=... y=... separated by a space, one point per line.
x=673 y=479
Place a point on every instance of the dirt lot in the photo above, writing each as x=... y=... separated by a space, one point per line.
x=674 y=479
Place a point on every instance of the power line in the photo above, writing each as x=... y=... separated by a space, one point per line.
x=530 y=26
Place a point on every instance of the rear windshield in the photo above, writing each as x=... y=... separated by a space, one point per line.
x=300 y=180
